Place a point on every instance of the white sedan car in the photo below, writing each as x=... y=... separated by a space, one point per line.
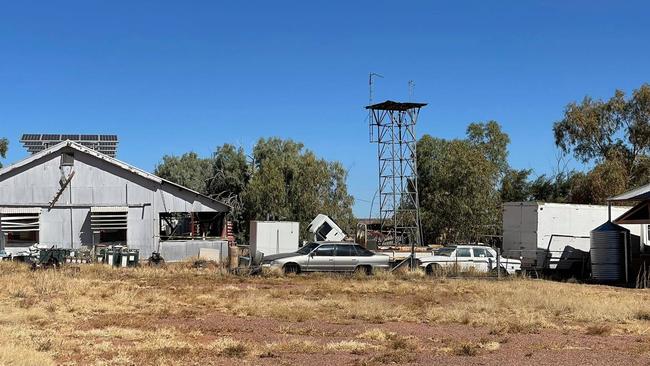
x=328 y=257
x=468 y=257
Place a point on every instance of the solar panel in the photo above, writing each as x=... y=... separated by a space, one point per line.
x=108 y=138
x=31 y=137
x=106 y=144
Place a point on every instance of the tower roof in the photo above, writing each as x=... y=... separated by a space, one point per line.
x=389 y=105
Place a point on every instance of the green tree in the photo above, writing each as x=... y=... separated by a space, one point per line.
x=291 y=183
x=188 y=170
x=597 y=131
x=4 y=146
x=491 y=141
x=281 y=180
x=457 y=185
x=231 y=172
x=556 y=187
x=515 y=185
x=606 y=180
x=266 y=196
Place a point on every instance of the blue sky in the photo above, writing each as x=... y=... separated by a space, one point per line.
x=170 y=77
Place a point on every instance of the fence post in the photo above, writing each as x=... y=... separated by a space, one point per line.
x=499 y=263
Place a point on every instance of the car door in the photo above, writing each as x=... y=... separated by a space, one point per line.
x=366 y=257
x=482 y=262
x=492 y=259
x=346 y=259
x=322 y=259
x=464 y=259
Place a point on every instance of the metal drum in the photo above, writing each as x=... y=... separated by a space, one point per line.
x=607 y=252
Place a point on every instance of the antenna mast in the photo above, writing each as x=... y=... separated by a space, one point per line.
x=370 y=95
x=370 y=85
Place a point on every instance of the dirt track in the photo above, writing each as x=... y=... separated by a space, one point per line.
x=437 y=343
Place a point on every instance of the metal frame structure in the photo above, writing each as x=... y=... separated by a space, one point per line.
x=392 y=127
x=105 y=144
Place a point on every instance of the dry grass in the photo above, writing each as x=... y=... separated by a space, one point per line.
x=376 y=334
x=466 y=349
x=354 y=347
x=599 y=329
x=17 y=355
x=113 y=317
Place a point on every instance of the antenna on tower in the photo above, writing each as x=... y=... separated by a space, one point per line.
x=411 y=89
x=370 y=95
x=371 y=84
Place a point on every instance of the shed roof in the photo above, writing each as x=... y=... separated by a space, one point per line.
x=637 y=194
x=106 y=158
x=639 y=214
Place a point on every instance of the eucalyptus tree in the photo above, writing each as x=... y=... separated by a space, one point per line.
x=4 y=146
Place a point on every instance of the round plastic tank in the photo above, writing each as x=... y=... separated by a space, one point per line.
x=607 y=252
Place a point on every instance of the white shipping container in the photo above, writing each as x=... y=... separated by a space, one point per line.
x=528 y=227
x=273 y=237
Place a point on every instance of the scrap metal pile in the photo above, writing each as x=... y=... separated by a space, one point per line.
x=41 y=256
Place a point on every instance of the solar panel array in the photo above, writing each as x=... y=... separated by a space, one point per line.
x=105 y=144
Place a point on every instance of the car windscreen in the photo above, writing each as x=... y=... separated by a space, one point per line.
x=306 y=249
x=445 y=252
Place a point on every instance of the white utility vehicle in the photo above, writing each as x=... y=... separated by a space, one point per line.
x=468 y=257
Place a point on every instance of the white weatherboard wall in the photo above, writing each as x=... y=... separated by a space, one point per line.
x=528 y=226
x=98 y=181
x=273 y=237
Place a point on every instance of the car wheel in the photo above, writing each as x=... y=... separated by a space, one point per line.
x=432 y=269
x=291 y=268
x=500 y=270
x=366 y=270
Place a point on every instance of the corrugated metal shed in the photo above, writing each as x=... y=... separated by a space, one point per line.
x=100 y=185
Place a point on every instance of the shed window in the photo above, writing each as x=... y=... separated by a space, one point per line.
x=109 y=224
x=190 y=225
x=67 y=159
x=20 y=228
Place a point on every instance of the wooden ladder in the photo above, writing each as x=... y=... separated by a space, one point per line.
x=60 y=192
